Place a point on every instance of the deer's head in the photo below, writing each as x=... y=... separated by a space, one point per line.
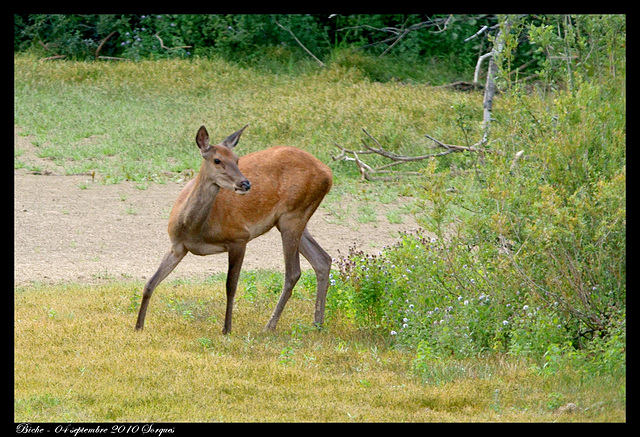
x=220 y=163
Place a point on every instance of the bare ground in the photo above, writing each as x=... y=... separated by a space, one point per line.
x=69 y=228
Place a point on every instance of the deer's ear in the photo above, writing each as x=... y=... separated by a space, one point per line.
x=202 y=139
x=232 y=139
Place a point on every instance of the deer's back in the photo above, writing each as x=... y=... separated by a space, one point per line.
x=284 y=181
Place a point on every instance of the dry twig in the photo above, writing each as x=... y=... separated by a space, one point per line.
x=300 y=44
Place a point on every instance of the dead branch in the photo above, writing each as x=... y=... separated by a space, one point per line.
x=401 y=158
x=170 y=48
x=300 y=44
x=51 y=58
x=477 y=34
x=490 y=87
x=368 y=172
x=514 y=162
x=112 y=58
x=461 y=85
x=45 y=46
x=102 y=43
x=398 y=33
x=476 y=74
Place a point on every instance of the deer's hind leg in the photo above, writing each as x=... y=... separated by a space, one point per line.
x=291 y=232
x=321 y=263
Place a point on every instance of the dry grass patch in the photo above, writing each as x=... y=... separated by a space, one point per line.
x=78 y=358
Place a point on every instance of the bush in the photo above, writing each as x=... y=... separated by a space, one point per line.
x=257 y=39
x=535 y=262
x=423 y=292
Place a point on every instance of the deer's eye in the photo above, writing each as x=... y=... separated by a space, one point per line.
x=216 y=161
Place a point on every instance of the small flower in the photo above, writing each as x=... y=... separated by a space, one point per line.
x=405 y=326
x=505 y=322
x=526 y=307
x=405 y=320
x=466 y=302
x=393 y=333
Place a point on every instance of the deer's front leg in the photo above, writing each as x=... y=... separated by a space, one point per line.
x=236 y=256
x=171 y=259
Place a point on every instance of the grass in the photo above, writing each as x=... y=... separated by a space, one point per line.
x=77 y=358
x=138 y=120
x=76 y=355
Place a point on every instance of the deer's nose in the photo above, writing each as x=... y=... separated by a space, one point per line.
x=245 y=185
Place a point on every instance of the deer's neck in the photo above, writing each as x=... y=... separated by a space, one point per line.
x=199 y=204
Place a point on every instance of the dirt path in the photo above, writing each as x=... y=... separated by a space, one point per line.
x=107 y=232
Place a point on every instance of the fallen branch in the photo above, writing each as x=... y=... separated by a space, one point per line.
x=461 y=85
x=473 y=148
x=51 y=58
x=112 y=58
x=369 y=173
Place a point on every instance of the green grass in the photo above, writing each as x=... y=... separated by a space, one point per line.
x=138 y=120
x=78 y=358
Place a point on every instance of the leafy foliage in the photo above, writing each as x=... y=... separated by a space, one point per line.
x=535 y=263
x=251 y=39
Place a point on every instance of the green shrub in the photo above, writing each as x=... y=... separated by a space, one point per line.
x=257 y=40
x=529 y=253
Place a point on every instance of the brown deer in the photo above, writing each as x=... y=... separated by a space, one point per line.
x=221 y=211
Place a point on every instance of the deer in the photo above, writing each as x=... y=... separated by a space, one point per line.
x=233 y=200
